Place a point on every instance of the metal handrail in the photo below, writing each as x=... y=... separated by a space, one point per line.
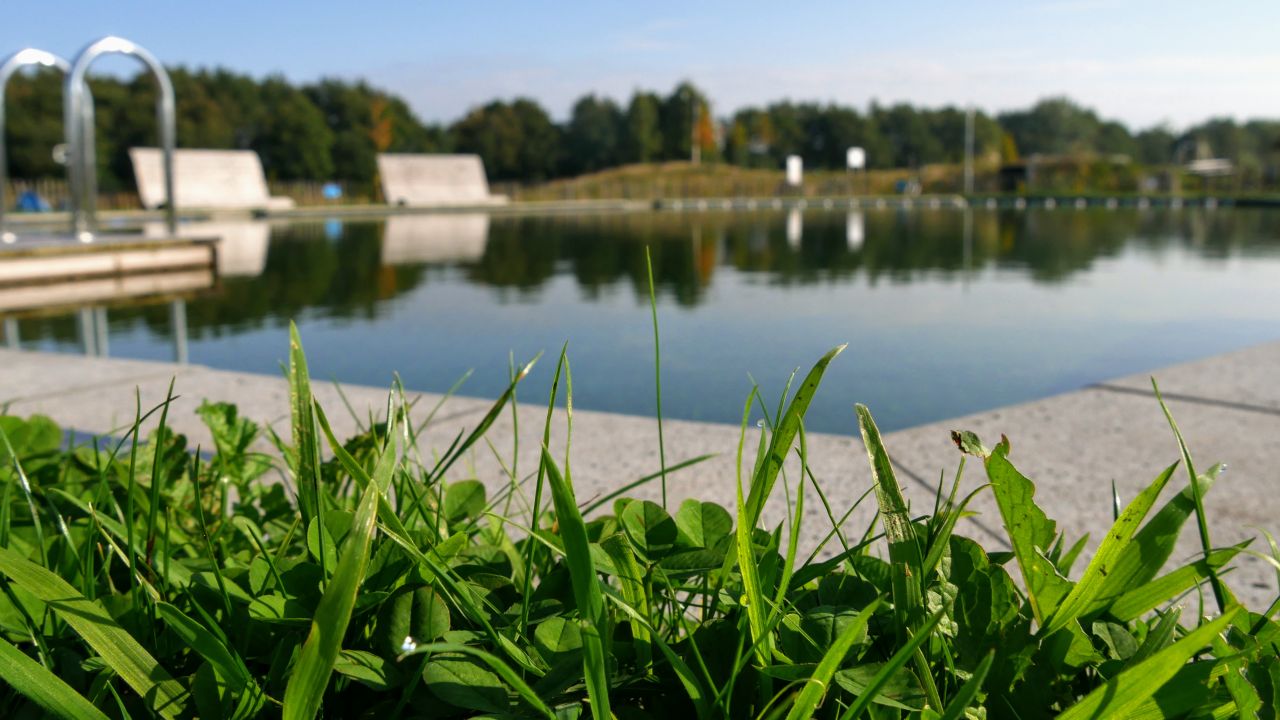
x=78 y=115
x=10 y=66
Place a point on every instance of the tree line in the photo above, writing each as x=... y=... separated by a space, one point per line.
x=333 y=130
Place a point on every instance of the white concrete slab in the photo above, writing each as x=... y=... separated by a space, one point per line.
x=213 y=179
x=434 y=180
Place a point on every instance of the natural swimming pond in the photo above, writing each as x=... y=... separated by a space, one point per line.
x=945 y=312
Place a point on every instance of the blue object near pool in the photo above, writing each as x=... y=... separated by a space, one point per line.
x=30 y=201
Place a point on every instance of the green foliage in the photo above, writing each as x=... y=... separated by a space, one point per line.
x=334 y=129
x=516 y=140
x=398 y=591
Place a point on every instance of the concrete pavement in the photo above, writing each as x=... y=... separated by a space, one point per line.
x=1072 y=445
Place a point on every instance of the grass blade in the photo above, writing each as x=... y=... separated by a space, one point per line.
x=783 y=437
x=891 y=666
x=306 y=443
x=478 y=432
x=1117 y=540
x=816 y=686
x=123 y=654
x=1131 y=688
x=305 y=691
x=42 y=687
x=1144 y=598
x=1202 y=521
x=657 y=374
x=586 y=587
x=904 y=548
x=746 y=557
x=535 y=513
x=224 y=660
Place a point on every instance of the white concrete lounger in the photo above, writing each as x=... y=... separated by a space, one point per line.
x=206 y=179
x=435 y=180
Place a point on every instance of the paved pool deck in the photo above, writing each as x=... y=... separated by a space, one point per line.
x=1072 y=445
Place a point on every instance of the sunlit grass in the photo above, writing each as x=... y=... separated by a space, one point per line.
x=351 y=579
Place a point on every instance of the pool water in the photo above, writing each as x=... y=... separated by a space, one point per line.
x=945 y=311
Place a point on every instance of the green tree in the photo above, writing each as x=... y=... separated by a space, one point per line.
x=1053 y=126
x=677 y=117
x=592 y=138
x=294 y=142
x=516 y=141
x=642 y=141
x=1155 y=145
x=910 y=137
x=33 y=124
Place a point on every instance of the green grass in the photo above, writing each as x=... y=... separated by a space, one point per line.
x=351 y=579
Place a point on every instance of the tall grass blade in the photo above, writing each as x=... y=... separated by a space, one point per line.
x=1154 y=544
x=485 y=423
x=306 y=444
x=753 y=594
x=42 y=687
x=816 y=686
x=1128 y=690
x=157 y=472
x=1202 y=520
x=305 y=691
x=657 y=374
x=1082 y=595
x=904 y=548
x=36 y=525
x=535 y=513
x=1147 y=597
x=607 y=498
x=895 y=663
x=631 y=581
x=784 y=435
x=224 y=660
x=122 y=653
x=586 y=587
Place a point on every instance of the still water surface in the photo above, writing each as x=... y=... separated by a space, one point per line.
x=945 y=313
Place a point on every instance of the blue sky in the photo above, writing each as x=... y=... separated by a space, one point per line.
x=1142 y=62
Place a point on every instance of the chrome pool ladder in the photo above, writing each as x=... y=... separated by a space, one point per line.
x=26 y=57
x=77 y=107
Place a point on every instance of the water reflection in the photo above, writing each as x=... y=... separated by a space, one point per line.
x=446 y=238
x=270 y=273
x=437 y=294
x=241 y=244
x=855 y=231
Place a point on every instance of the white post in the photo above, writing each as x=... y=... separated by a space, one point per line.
x=11 y=339
x=795 y=170
x=178 y=327
x=100 y=331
